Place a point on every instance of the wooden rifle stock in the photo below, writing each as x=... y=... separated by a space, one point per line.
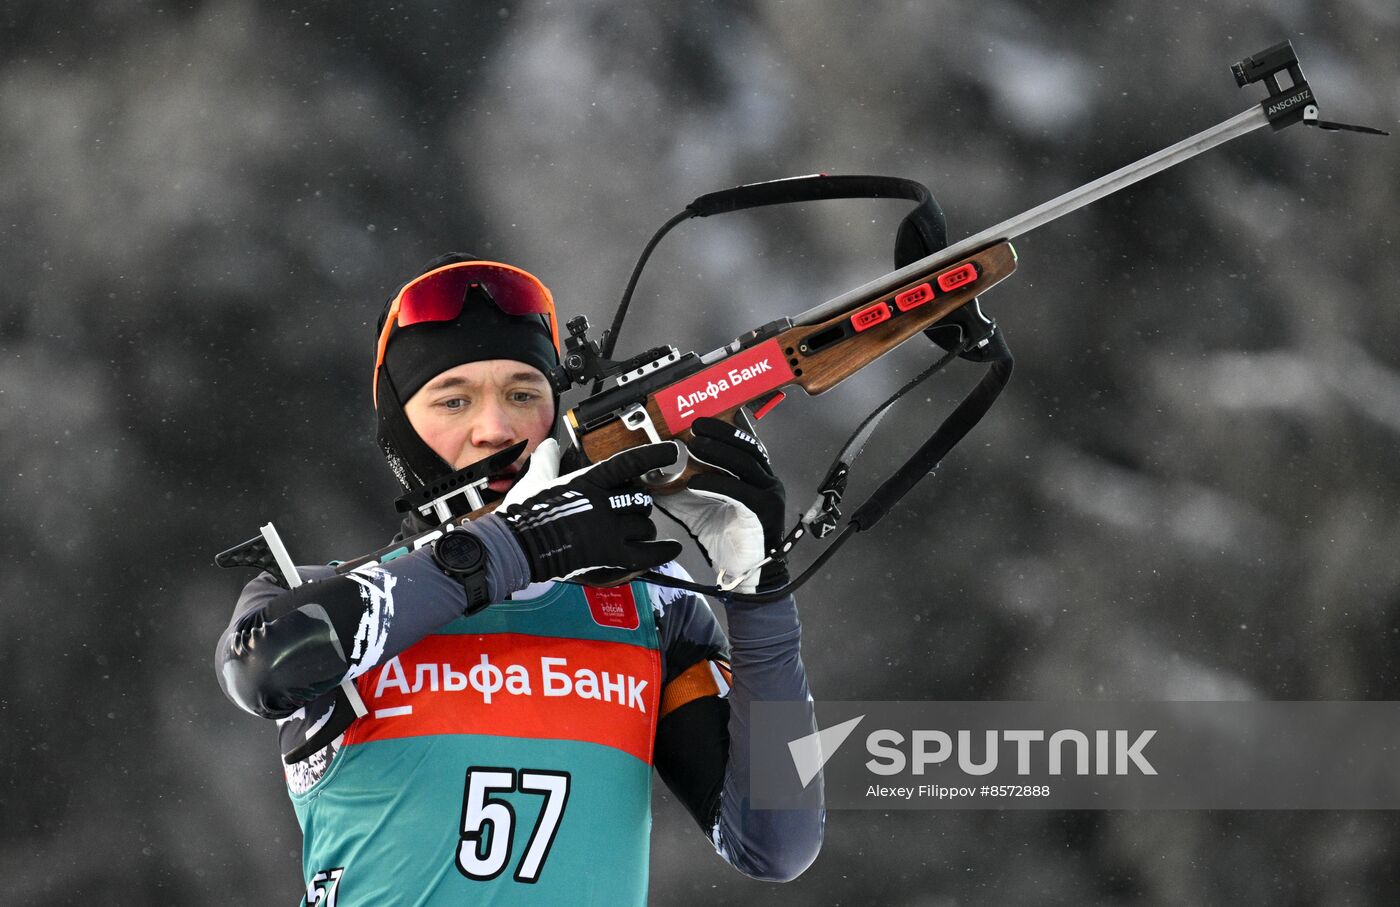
x=823 y=355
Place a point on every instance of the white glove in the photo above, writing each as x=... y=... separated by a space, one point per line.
x=728 y=533
x=735 y=512
x=542 y=472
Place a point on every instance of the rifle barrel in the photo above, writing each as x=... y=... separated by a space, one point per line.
x=1040 y=215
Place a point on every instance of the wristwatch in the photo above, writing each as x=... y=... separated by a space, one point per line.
x=461 y=556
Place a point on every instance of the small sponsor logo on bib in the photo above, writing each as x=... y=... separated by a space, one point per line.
x=613 y=607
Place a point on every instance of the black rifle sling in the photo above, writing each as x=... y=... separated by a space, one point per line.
x=923 y=226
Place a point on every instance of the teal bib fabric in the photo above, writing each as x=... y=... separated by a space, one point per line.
x=504 y=759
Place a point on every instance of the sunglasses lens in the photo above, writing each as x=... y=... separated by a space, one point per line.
x=439 y=296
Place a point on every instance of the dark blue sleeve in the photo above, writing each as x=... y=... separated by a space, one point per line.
x=286 y=648
x=705 y=744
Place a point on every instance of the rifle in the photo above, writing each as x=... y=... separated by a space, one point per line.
x=656 y=395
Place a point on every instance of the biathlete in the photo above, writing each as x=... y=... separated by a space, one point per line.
x=511 y=719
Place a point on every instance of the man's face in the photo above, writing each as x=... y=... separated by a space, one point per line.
x=476 y=409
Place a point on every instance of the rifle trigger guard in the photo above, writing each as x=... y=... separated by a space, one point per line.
x=636 y=418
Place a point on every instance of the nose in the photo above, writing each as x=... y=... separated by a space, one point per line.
x=492 y=428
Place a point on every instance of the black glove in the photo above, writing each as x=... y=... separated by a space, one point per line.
x=748 y=479
x=595 y=524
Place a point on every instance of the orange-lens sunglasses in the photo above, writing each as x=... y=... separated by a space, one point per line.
x=439 y=295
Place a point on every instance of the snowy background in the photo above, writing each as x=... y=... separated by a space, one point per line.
x=1189 y=491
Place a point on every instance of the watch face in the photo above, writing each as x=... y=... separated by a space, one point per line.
x=459 y=551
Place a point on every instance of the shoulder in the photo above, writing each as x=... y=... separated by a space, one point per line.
x=685 y=623
x=663 y=598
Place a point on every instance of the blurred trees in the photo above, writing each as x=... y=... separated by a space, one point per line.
x=1189 y=491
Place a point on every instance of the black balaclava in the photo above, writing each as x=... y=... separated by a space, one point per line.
x=420 y=352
